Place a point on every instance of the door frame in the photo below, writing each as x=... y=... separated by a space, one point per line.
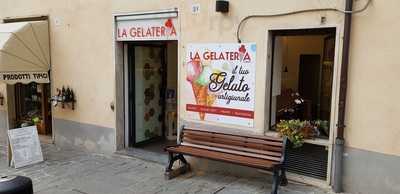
x=130 y=88
x=120 y=64
x=270 y=42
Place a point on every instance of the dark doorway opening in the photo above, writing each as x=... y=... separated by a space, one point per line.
x=309 y=83
x=152 y=94
x=29 y=105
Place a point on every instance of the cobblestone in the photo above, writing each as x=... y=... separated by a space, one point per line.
x=77 y=172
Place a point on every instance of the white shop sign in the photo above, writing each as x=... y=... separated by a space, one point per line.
x=24 y=77
x=25 y=146
x=135 y=28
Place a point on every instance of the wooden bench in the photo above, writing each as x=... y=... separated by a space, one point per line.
x=260 y=152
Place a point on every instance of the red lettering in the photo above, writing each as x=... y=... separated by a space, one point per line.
x=236 y=56
x=158 y=31
x=197 y=57
x=213 y=56
x=132 y=32
x=162 y=31
x=173 y=31
x=151 y=31
x=221 y=56
x=141 y=32
x=123 y=33
x=229 y=56
x=148 y=33
x=206 y=55
x=247 y=57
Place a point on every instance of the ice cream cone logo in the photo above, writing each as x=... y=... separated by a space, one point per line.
x=198 y=76
x=170 y=28
x=200 y=94
x=193 y=70
x=242 y=52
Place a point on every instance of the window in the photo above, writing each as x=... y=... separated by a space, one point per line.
x=302 y=76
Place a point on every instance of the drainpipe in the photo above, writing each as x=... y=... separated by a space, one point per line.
x=339 y=141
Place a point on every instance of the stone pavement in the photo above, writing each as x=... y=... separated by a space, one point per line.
x=78 y=172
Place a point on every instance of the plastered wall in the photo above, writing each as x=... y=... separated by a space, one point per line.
x=82 y=54
x=373 y=109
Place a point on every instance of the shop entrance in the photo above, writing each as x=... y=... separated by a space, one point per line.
x=302 y=78
x=152 y=90
x=29 y=105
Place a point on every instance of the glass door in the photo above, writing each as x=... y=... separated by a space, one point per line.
x=146 y=93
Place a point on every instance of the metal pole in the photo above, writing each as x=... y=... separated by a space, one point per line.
x=339 y=141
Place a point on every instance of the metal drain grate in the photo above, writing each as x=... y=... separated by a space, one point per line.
x=308 y=160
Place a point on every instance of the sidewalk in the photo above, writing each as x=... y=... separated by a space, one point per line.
x=77 y=172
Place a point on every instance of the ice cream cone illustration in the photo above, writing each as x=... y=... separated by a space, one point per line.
x=210 y=99
x=193 y=70
x=201 y=95
x=198 y=77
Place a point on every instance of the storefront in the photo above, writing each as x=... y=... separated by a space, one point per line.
x=149 y=43
x=250 y=86
x=25 y=75
x=216 y=86
x=140 y=71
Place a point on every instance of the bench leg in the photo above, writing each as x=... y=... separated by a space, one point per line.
x=170 y=162
x=284 y=180
x=182 y=159
x=169 y=172
x=275 y=181
x=172 y=159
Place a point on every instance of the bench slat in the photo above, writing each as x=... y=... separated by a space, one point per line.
x=263 y=137
x=237 y=148
x=238 y=140
x=229 y=151
x=226 y=157
x=235 y=143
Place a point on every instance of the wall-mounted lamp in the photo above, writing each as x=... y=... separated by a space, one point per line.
x=222 y=6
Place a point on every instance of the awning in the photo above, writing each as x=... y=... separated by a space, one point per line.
x=24 y=52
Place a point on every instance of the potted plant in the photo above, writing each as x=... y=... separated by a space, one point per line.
x=297 y=131
x=39 y=124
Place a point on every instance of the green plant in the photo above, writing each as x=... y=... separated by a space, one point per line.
x=36 y=120
x=292 y=129
x=322 y=125
x=296 y=131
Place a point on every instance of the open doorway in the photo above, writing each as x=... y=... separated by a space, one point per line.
x=152 y=94
x=29 y=105
x=301 y=90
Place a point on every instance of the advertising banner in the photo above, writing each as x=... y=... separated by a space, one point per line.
x=219 y=83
